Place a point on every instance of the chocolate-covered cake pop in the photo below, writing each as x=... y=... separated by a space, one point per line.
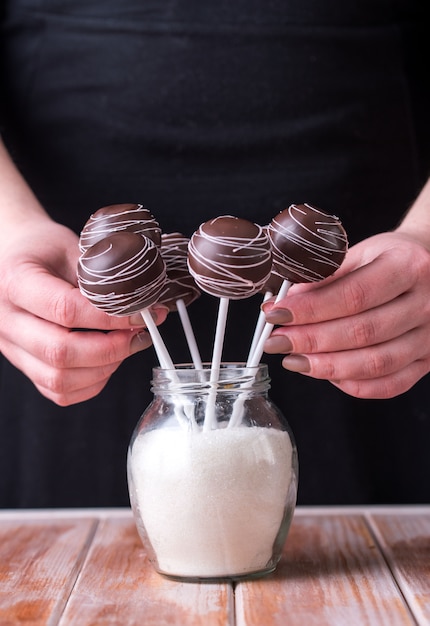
x=122 y=273
x=179 y=285
x=307 y=244
x=117 y=218
x=230 y=257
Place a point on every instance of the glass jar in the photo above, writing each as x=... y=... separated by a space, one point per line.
x=212 y=474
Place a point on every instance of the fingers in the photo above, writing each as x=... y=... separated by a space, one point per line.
x=49 y=330
x=379 y=371
x=346 y=296
x=369 y=362
x=366 y=329
x=378 y=281
x=62 y=386
x=385 y=387
x=68 y=366
x=51 y=298
x=372 y=355
x=73 y=396
x=371 y=327
x=62 y=348
x=47 y=339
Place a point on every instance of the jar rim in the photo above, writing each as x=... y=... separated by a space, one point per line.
x=230 y=376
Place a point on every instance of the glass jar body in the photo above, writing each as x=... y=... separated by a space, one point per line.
x=212 y=473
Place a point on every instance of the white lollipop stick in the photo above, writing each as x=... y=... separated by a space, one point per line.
x=159 y=345
x=167 y=364
x=189 y=334
x=210 y=420
x=259 y=326
x=237 y=412
x=254 y=358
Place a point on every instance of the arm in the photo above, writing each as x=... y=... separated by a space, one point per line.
x=18 y=203
x=367 y=328
x=416 y=223
x=40 y=303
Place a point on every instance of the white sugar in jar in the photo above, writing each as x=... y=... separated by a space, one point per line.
x=213 y=499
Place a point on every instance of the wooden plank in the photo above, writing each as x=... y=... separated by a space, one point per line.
x=118 y=585
x=405 y=540
x=331 y=573
x=39 y=564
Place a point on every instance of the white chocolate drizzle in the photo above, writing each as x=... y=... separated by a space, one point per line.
x=231 y=257
x=122 y=217
x=143 y=272
x=323 y=247
x=179 y=282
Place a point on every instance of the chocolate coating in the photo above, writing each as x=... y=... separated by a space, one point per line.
x=274 y=282
x=179 y=285
x=122 y=273
x=117 y=218
x=307 y=244
x=230 y=257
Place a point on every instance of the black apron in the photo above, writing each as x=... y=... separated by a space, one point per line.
x=199 y=109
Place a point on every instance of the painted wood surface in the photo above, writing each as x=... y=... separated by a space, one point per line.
x=331 y=573
x=118 y=586
x=405 y=541
x=39 y=564
x=339 y=567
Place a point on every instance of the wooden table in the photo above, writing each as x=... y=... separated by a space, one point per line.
x=341 y=566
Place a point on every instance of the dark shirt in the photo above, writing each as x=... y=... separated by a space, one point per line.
x=199 y=109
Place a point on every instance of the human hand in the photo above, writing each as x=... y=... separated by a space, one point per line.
x=367 y=328
x=42 y=310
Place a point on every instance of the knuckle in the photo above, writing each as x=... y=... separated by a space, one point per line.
x=312 y=309
x=324 y=368
x=362 y=389
x=62 y=400
x=64 y=310
x=330 y=371
x=419 y=264
x=54 y=381
x=56 y=354
x=355 y=296
x=388 y=389
x=106 y=371
x=363 y=332
x=309 y=343
x=378 y=364
x=113 y=352
x=353 y=388
x=382 y=389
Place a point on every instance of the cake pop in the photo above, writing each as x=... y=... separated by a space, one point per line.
x=308 y=245
x=117 y=218
x=230 y=257
x=124 y=274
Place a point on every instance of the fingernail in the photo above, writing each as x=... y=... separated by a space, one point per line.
x=159 y=311
x=278 y=316
x=268 y=303
x=139 y=342
x=296 y=363
x=278 y=344
x=136 y=320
